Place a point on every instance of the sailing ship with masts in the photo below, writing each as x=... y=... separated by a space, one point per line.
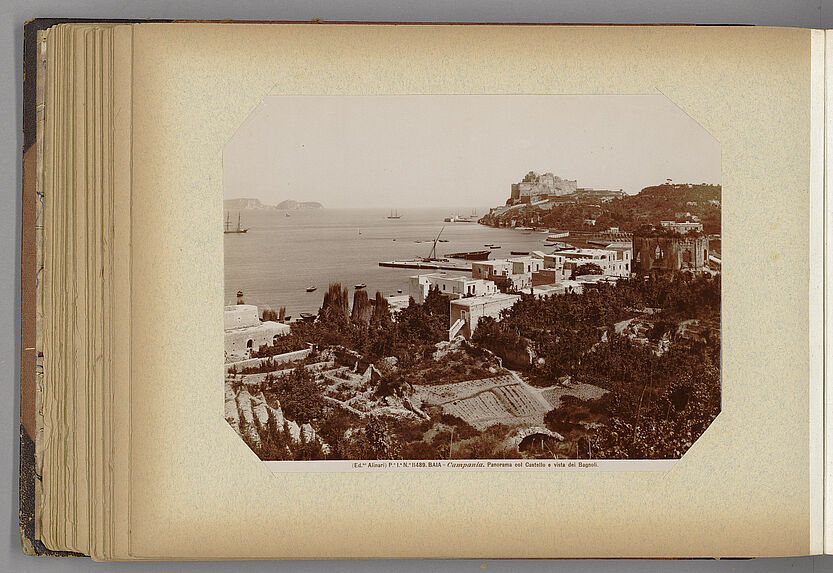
x=230 y=229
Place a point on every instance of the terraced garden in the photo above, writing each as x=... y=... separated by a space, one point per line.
x=483 y=403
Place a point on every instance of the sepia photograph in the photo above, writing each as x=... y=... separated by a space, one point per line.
x=471 y=277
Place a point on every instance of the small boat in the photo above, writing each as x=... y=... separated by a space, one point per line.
x=394 y=215
x=488 y=245
x=519 y=252
x=442 y=240
x=399 y=291
x=360 y=285
x=307 y=316
x=494 y=246
x=470 y=255
x=312 y=288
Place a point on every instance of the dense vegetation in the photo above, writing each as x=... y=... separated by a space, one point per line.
x=660 y=396
x=368 y=328
x=662 y=386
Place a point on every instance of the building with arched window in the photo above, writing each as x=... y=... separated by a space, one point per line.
x=244 y=331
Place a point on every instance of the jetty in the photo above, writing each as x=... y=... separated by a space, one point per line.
x=428 y=265
x=432 y=261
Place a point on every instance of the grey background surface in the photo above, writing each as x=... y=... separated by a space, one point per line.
x=13 y=14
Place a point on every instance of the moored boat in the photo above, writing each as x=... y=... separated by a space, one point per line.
x=470 y=255
x=360 y=285
x=312 y=288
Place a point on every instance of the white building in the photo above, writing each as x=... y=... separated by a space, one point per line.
x=466 y=312
x=244 y=332
x=518 y=270
x=526 y=265
x=449 y=285
x=614 y=260
x=488 y=270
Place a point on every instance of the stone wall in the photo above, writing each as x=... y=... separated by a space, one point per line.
x=277 y=359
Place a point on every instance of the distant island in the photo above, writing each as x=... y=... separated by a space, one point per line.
x=291 y=205
x=248 y=204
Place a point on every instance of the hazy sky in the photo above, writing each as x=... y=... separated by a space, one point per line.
x=458 y=151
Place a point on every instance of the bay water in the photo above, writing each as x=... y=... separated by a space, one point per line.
x=280 y=256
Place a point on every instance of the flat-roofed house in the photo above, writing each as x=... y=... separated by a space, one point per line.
x=526 y=265
x=244 y=332
x=453 y=286
x=613 y=262
x=516 y=272
x=489 y=270
x=466 y=312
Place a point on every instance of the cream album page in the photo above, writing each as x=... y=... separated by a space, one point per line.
x=460 y=290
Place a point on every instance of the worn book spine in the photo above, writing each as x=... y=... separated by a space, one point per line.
x=30 y=263
x=34 y=64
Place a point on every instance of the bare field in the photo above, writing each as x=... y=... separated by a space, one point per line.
x=553 y=394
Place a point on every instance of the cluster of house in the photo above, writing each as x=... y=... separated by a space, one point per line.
x=540 y=274
x=494 y=284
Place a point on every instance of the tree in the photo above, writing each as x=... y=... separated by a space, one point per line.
x=298 y=393
x=381 y=312
x=361 y=307
x=335 y=308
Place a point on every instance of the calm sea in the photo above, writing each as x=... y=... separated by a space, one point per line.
x=281 y=256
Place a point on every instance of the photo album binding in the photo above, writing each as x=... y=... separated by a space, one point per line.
x=366 y=283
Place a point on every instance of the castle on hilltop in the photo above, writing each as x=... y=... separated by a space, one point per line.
x=536 y=187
